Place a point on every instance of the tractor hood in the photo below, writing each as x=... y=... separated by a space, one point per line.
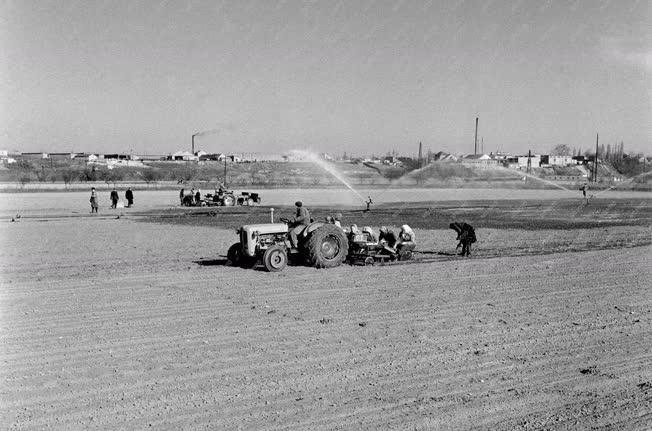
x=266 y=228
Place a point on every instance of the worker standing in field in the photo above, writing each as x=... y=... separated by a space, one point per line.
x=299 y=222
x=465 y=236
x=368 y=202
x=584 y=188
x=129 y=195
x=181 y=195
x=114 y=198
x=93 y=201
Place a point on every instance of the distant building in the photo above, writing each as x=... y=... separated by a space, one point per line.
x=149 y=157
x=482 y=160
x=116 y=156
x=182 y=156
x=442 y=156
x=33 y=156
x=535 y=161
x=214 y=157
x=61 y=156
x=547 y=160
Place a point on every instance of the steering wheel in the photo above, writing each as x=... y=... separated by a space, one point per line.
x=284 y=220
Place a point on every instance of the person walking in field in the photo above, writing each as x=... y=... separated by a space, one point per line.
x=93 y=201
x=114 y=198
x=129 y=195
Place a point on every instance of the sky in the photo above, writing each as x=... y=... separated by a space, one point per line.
x=362 y=77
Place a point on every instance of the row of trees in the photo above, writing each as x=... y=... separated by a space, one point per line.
x=617 y=152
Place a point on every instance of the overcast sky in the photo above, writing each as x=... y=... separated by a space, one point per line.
x=358 y=76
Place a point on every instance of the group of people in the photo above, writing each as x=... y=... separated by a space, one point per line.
x=115 y=198
x=465 y=232
x=190 y=198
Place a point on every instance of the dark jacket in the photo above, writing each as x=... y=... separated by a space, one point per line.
x=302 y=217
x=465 y=232
x=388 y=236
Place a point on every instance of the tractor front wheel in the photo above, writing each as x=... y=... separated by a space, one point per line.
x=275 y=258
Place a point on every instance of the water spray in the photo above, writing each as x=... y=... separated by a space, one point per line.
x=629 y=180
x=314 y=158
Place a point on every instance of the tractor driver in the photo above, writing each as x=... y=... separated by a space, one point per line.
x=300 y=221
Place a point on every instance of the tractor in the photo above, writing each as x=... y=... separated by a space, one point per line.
x=320 y=245
x=229 y=199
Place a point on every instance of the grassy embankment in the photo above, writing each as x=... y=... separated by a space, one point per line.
x=45 y=175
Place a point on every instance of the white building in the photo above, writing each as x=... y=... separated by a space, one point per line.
x=535 y=161
x=560 y=160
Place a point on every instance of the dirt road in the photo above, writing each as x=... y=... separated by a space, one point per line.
x=121 y=324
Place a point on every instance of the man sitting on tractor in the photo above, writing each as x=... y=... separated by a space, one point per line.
x=298 y=223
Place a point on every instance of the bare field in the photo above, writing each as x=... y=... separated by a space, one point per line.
x=119 y=323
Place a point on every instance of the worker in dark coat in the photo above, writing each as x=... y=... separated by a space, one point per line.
x=299 y=222
x=93 y=200
x=388 y=237
x=465 y=236
x=129 y=195
x=114 y=198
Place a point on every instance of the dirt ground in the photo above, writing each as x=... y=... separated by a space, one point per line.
x=128 y=324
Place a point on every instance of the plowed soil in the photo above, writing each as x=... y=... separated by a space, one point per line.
x=127 y=324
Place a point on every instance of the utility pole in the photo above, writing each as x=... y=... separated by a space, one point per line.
x=528 y=170
x=420 y=156
x=225 y=170
x=475 y=148
x=595 y=162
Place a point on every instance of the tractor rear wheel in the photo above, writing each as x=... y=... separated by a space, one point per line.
x=327 y=247
x=275 y=258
